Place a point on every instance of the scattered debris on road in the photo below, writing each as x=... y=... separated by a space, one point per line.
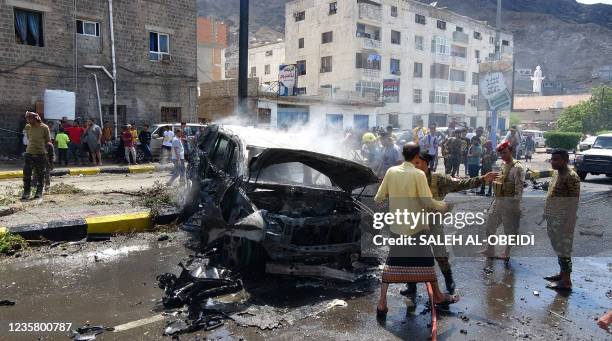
x=6 y=303
x=88 y=332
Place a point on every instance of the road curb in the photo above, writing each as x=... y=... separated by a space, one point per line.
x=92 y=227
x=85 y=171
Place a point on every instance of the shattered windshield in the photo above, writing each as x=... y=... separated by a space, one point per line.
x=293 y=173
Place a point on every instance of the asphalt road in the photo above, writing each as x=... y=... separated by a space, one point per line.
x=113 y=284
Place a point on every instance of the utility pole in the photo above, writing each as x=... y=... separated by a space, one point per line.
x=243 y=57
x=494 y=124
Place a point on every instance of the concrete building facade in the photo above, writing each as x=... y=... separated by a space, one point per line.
x=46 y=44
x=212 y=44
x=422 y=62
x=264 y=61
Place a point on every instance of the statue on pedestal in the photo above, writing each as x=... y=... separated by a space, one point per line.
x=537 y=80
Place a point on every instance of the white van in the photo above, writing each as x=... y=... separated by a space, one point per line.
x=537 y=136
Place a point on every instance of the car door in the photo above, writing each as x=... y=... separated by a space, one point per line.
x=157 y=136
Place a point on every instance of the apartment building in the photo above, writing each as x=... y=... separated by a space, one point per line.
x=422 y=62
x=264 y=62
x=47 y=44
x=212 y=43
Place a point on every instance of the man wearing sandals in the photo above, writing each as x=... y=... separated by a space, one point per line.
x=560 y=214
x=506 y=207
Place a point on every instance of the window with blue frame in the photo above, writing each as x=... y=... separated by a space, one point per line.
x=395 y=67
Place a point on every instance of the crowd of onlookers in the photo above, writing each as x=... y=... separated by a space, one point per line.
x=457 y=145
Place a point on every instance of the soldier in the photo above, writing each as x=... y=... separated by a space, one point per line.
x=454 y=146
x=560 y=214
x=506 y=207
x=36 y=155
x=440 y=185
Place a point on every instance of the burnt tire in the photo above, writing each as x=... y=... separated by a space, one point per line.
x=582 y=175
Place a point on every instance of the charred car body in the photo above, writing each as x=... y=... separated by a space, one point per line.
x=260 y=198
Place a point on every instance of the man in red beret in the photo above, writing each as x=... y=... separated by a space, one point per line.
x=506 y=207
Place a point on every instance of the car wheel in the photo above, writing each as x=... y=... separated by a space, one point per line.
x=241 y=253
x=582 y=175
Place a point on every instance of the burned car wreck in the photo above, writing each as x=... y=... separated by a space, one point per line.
x=268 y=203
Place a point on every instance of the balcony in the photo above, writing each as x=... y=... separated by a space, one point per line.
x=368 y=43
x=370 y=12
x=457 y=86
x=460 y=37
x=459 y=62
x=370 y=73
x=457 y=109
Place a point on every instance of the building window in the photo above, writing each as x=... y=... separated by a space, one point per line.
x=456 y=98
x=264 y=116
x=459 y=29
x=477 y=35
x=269 y=53
x=327 y=37
x=457 y=75
x=395 y=67
x=492 y=40
x=417 y=96
x=299 y=16
x=28 y=27
x=301 y=66
x=333 y=8
x=159 y=46
x=441 y=24
x=474 y=78
x=326 y=64
x=418 y=43
x=396 y=37
x=267 y=69
x=420 y=19
x=300 y=91
x=168 y=114
x=474 y=101
x=438 y=97
x=365 y=87
x=477 y=54
x=418 y=70
x=368 y=61
x=88 y=28
x=439 y=71
x=394 y=11
x=505 y=43
x=440 y=45
x=301 y=43
x=253 y=71
x=394 y=120
x=458 y=51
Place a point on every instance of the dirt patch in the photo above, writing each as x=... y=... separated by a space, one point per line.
x=11 y=243
x=62 y=188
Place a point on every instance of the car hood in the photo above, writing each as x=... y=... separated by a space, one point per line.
x=345 y=174
x=597 y=151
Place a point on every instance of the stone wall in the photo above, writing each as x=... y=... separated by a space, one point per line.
x=144 y=86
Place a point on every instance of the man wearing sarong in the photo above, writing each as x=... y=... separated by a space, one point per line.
x=406 y=187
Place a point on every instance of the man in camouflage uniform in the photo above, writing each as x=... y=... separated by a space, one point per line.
x=454 y=147
x=506 y=207
x=36 y=155
x=560 y=214
x=440 y=185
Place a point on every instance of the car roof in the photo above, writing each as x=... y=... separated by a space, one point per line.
x=605 y=135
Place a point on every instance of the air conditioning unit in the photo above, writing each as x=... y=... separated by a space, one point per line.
x=165 y=57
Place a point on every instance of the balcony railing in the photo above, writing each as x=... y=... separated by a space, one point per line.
x=459 y=62
x=460 y=37
x=370 y=73
x=369 y=44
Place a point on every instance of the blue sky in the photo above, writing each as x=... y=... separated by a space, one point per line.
x=608 y=2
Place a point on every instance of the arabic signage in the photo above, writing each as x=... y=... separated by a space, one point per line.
x=391 y=89
x=287 y=80
x=495 y=85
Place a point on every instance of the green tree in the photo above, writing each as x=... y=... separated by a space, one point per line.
x=589 y=116
x=514 y=119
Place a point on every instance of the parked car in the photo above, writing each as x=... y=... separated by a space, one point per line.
x=587 y=143
x=266 y=201
x=597 y=160
x=537 y=136
x=157 y=135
